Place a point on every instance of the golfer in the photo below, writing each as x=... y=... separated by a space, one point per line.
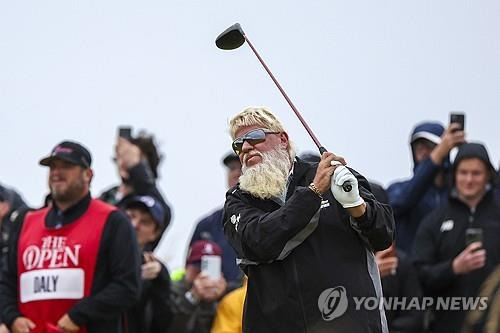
x=305 y=244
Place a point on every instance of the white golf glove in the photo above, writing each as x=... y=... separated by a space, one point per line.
x=341 y=176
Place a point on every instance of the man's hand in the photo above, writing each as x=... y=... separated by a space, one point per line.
x=127 y=156
x=67 y=325
x=151 y=267
x=387 y=263
x=349 y=199
x=452 y=137
x=22 y=325
x=4 y=329
x=325 y=170
x=207 y=289
x=472 y=258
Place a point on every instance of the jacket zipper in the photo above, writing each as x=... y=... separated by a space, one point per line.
x=301 y=301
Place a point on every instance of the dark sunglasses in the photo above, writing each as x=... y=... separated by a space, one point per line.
x=253 y=137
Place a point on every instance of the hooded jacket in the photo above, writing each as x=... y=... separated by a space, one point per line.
x=412 y=199
x=441 y=238
x=295 y=252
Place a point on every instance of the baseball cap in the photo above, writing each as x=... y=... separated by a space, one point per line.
x=231 y=157
x=429 y=130
x=152 y=205
x=201 y=248
x=69 y=151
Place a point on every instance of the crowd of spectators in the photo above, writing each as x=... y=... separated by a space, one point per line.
x=447 y=219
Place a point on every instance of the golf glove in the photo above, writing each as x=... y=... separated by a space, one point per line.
x=346 y=199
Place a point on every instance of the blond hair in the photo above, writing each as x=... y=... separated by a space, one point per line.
x=258 y=116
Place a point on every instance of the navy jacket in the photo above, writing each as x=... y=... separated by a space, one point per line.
x=413 y=199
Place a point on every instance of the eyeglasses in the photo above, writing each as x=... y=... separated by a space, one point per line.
x=253 y=137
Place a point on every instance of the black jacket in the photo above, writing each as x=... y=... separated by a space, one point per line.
x=292 y=253
x=116 y=283
x=441 y=238
x=153 y=312
x=403 y=285
x=141 y=179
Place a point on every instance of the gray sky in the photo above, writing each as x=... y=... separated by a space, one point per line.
x=362 y=73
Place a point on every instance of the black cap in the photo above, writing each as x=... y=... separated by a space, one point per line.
x=473 y=150
x=231 y=157
x=71 y=152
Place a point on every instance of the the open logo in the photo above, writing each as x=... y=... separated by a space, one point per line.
x=332 y=303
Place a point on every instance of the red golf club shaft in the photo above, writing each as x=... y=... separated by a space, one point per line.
x=346 y=186
x=316 y=141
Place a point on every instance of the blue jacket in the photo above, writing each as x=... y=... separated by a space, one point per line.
x=413 y=199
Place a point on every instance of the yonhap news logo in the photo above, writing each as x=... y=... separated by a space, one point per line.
x=332 y=303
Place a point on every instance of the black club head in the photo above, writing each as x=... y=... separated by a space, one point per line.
x=232 y=38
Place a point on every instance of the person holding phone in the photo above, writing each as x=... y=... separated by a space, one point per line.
x=457 y=245
x=194 y=297
x=412 y=199
x=137 y=159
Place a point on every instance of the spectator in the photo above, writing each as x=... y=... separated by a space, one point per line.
x=73 y=266
x=411 y=200
x=210 y=228
x=229 y=314
x=153 y=312
x=449 y=263
x=298 y=234
x=399 y=281
x=195 y=297
x=137 y=161
x=10 y=201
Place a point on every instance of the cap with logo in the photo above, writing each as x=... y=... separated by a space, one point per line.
x=201 y=248
x=149 y=203
x=69 y=151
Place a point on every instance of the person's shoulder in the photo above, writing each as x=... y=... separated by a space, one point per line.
x=211 y=217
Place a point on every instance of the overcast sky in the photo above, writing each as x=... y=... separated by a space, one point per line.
x=362 y=73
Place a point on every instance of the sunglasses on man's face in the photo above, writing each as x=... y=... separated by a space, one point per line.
x=253 y=137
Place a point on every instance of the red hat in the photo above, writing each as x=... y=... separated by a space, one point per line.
x=201 y=248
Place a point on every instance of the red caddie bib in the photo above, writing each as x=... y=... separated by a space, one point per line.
x=56 y=266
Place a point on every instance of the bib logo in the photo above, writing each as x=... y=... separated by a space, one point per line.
x=332 y=303
x=54 y=253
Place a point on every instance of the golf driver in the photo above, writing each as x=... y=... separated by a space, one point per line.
x=232 y=38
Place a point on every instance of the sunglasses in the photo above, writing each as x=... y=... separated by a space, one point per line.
x=253 y=137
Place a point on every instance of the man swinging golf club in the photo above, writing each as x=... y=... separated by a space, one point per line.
x=305 y=243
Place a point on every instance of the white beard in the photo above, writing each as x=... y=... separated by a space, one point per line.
x=267 y=179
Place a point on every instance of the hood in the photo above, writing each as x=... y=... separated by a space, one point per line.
x=474 y=150
x=430 y=131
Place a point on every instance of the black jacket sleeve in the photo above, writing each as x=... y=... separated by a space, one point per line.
x=8 y=280
x=144 y=183
x=116 y=284
x=376 y=226
x=260 y=236
x=435 y=275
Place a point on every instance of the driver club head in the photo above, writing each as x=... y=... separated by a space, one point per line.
x=231 y=38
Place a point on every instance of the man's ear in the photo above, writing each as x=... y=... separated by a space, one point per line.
x=284 y=139
x=88 y=174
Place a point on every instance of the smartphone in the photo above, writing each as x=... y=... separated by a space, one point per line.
x=459 y=118
x=473 y=235
x=125 y=132
x=211 y=266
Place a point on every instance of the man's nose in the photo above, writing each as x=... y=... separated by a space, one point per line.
x=246 y=147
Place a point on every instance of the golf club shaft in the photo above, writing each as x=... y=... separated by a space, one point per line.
x=316 y=141
x=346 y=186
